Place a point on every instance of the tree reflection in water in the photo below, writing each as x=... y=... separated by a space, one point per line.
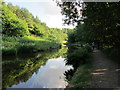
x=19 y=69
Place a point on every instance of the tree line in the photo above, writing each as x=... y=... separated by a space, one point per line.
x=19 y=22
x=97 y=22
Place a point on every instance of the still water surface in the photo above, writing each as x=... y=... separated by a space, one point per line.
x=51 y=75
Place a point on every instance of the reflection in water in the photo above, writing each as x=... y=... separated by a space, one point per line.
x=69 y=73
x=33 y=71
x=49 y=76
x=73 y=60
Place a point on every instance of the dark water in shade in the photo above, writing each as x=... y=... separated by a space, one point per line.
x=50 y=75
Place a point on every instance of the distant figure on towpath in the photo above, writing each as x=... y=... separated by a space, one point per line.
x=93 y=45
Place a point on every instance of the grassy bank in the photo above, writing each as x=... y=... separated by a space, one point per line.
x=81 y=77
x=80 y=58
x=28 y=44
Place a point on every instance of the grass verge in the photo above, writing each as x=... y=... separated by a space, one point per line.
x=82 y=76
x=81 y=59
x=21 y=45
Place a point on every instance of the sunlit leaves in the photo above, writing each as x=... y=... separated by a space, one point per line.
x=13 y=26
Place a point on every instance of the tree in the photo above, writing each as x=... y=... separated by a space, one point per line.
x=101 y=21
x=13 y=26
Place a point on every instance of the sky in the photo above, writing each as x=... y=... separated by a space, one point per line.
x=46 y=10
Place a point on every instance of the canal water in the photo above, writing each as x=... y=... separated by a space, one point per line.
x=44 y=70
x=51 y=75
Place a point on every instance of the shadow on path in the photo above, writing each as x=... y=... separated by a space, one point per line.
x=105 y=73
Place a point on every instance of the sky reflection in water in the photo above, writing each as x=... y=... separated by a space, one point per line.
x=49 y=76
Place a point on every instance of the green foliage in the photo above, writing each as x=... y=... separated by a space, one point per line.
x=72 y=38
x=57 y=34
x=98 y=22
x=13 y=26
x=20 y=22
x=35 y=35
x=9 y=51
x=71 y=35
x=104 y=20
x=15 y=45
x=82 y=76
x=113 y=53
x=79 y=56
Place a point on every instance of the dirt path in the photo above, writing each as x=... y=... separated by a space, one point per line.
x=105 y=73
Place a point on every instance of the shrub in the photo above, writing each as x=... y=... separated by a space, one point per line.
x=113 y=53
x=8 y=51
x=79 y=56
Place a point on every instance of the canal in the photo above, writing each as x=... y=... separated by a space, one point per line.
x=40 y=70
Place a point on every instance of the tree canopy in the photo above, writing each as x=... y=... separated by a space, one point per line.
x=97 y=21
x=20 y=22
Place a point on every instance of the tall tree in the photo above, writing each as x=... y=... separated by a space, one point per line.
x=101 y=21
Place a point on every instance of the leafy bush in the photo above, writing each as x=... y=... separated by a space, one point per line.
x=8 y=51
x=113 y=53
x=80 y=56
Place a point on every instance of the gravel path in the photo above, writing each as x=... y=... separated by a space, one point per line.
x=105 y=73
